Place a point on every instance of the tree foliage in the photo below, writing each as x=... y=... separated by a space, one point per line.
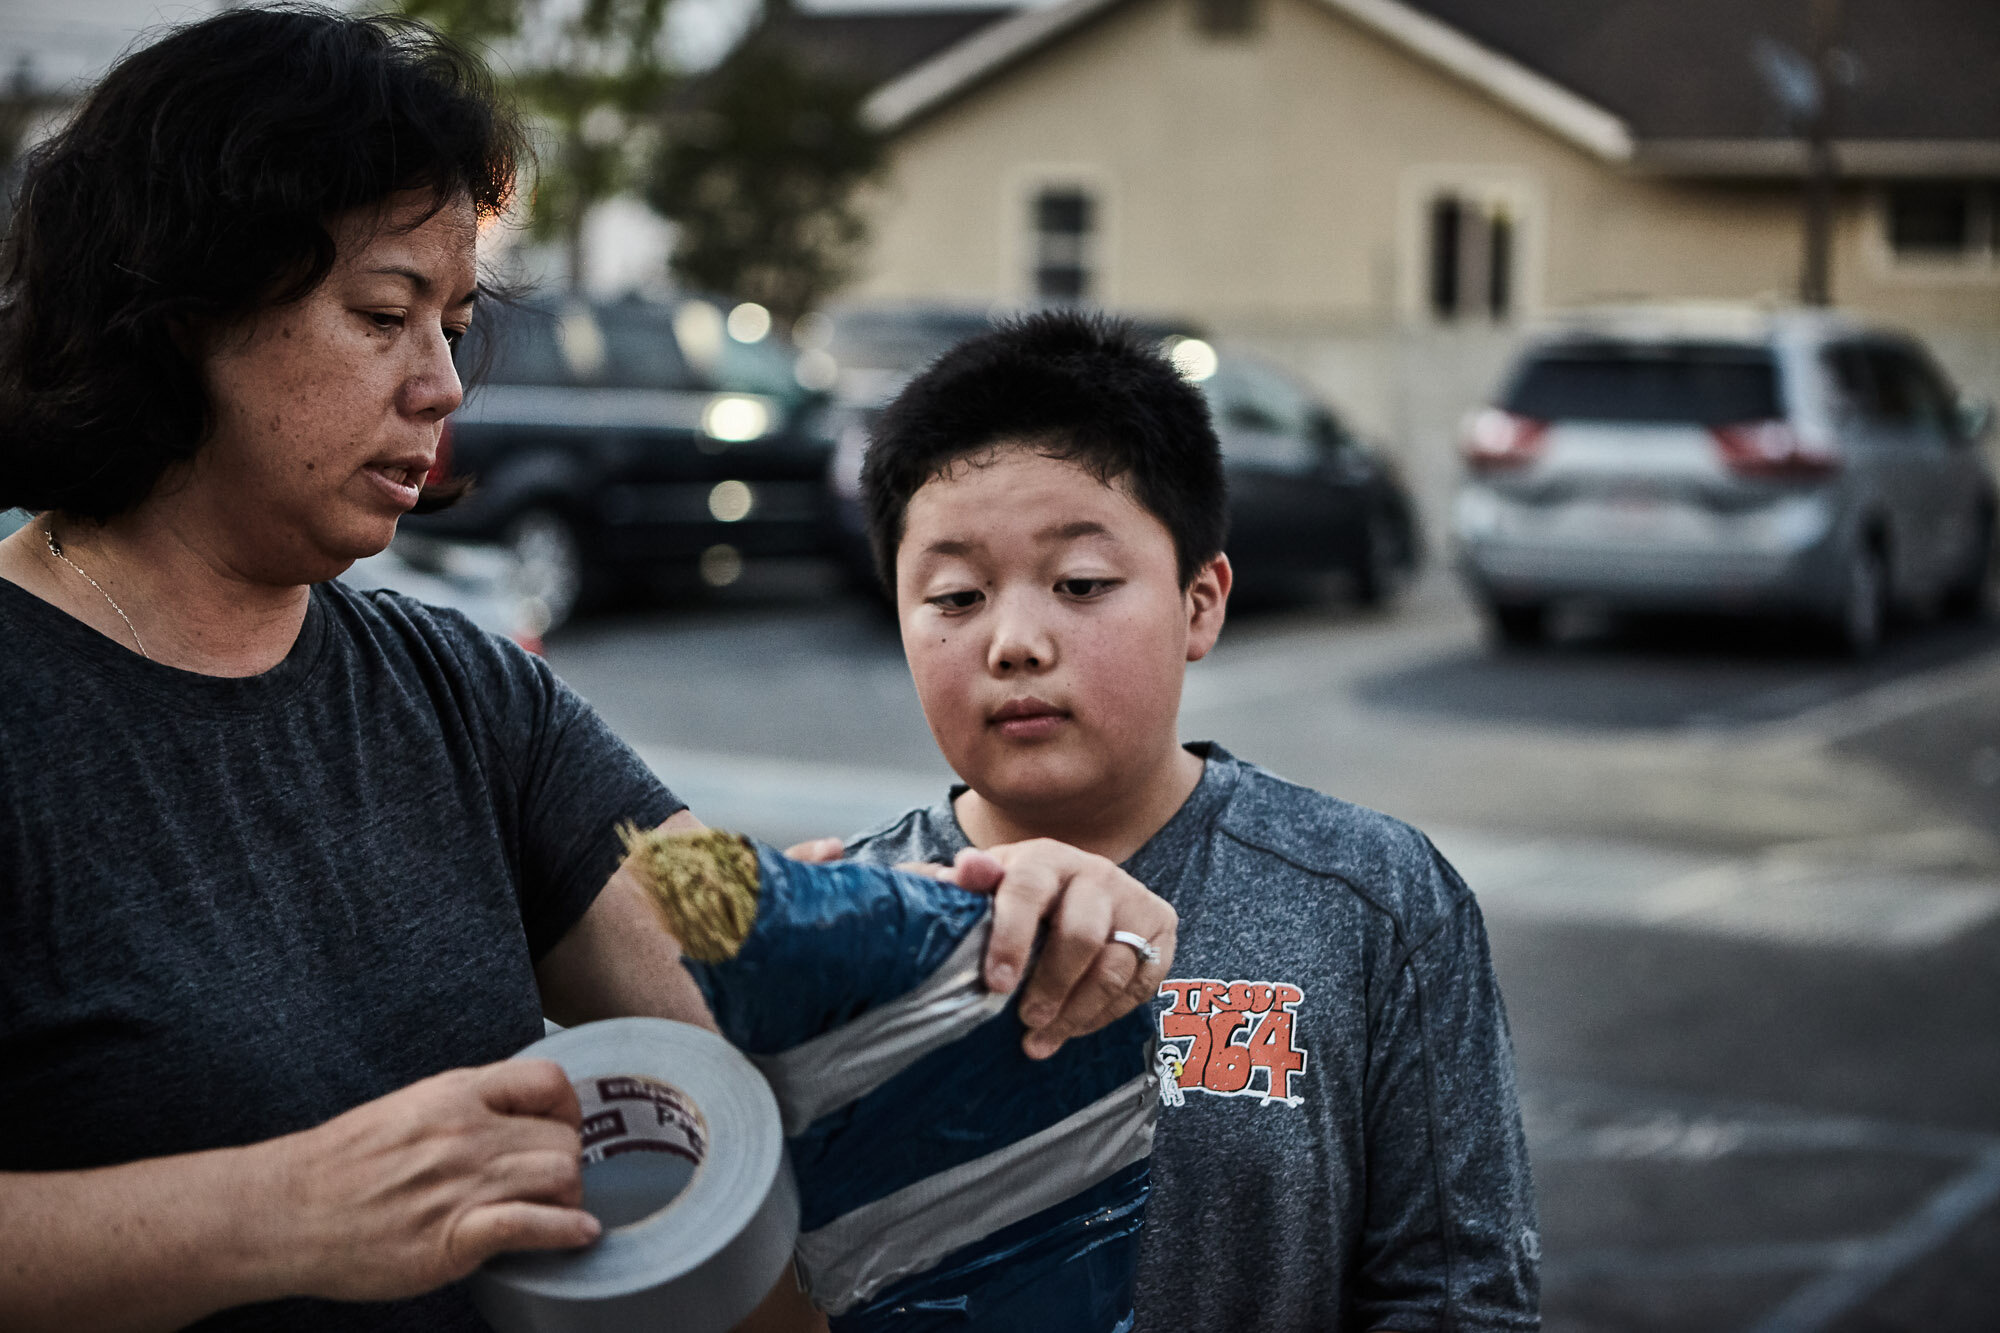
x=589 y=76
x=760 y=171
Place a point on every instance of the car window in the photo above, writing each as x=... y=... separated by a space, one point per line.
x=713 y=358
x=1853 y=376
x=621 y=345
x=512 y=345
x=1890 y=386
x=1910 y=391
x=1703 y=384
x=764 y=366
x=899 y=340
x=639 y=348
x=1263 y=421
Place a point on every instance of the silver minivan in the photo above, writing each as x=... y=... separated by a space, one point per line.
x=1726 y=460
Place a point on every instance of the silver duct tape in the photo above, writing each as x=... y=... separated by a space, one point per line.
x=861 y=1253
x=846 y=1064
x=684 y=1163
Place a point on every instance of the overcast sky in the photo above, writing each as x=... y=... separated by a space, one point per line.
x=70 y=42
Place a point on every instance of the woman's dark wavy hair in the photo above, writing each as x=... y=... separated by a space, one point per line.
x=196 y=186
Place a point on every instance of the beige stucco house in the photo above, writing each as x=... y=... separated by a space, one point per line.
x=1323 y=163
x=1384 y=193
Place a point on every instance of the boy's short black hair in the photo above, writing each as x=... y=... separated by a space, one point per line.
x=194 y=188
x=1074 y=386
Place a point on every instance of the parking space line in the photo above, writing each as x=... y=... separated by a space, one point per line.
x=1572 y=1120
x=1709 y=1261
x=1582 y=1120
x=1892 y=700
x=1848 y=1285
x=1786 y=897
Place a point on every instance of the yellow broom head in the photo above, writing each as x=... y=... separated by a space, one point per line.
x=704 y=883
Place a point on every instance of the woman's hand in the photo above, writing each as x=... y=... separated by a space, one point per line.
x=1084 y=978
x=417 y=1189
x=396 y=1197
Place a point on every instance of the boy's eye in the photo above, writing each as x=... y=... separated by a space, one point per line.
x=1085 y=587
x=963 y=600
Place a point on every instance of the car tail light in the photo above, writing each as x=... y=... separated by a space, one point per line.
x=1495 y=439
x=441 y=466
x=1773 y=449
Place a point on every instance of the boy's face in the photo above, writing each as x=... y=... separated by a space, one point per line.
x=1047 y=631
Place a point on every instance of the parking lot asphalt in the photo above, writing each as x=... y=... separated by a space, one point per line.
x=1744 y=902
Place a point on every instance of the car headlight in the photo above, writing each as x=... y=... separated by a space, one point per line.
x=734 y=418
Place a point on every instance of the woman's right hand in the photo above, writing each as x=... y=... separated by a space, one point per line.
x=416 y=1189
x=392 y=1199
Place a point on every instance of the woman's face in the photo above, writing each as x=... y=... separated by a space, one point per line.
x=328 y=410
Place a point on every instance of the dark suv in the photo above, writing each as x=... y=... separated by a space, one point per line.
x=609 y=438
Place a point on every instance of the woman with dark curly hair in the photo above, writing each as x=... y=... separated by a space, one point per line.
x=289 y=869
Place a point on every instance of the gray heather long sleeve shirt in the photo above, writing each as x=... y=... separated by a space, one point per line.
x=1340 y=1142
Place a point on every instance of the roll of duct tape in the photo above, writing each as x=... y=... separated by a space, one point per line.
x=684 y=1164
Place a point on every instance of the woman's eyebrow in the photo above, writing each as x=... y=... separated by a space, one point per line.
x=421 y=282
x=417 y=280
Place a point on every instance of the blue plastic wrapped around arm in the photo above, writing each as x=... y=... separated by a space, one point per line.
x=946 y=1180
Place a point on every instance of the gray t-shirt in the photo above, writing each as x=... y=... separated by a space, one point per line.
x=1340 y=1140
x=234 y=908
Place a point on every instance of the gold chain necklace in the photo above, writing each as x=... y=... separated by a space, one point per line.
x=49 y=534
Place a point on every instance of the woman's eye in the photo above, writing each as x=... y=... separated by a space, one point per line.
x=956 y=601
x=452 y=336
x=383 y=320
x=1084 y=587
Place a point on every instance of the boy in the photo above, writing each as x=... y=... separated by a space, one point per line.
x=1339 y=1144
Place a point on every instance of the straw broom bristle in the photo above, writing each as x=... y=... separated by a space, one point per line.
x=704 y=883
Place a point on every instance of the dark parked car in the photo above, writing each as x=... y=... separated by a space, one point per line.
x=618 y=437
x=1306 y=496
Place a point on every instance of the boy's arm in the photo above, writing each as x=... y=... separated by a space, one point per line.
x=1449 y=1238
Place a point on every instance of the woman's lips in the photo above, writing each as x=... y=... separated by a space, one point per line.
x=401 y=484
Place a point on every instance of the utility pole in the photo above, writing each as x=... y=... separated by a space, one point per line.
x=1822 y=170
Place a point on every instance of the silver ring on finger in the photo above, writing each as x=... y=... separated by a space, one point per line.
x=1140 y=944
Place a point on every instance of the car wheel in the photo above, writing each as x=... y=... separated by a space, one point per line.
x=548 y=565
x=1971 y=593
x=1385 y=563
x=1519 y=625
x=1864 y=612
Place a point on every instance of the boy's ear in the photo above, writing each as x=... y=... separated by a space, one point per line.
x=1207 y=602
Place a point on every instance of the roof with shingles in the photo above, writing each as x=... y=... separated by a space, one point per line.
x=1686 y=69
x=871 y=47
x=1667 y=85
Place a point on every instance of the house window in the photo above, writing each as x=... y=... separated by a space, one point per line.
x=1471 y=258
x=1943 y=220
x=1226 y=18
x=1065 y=230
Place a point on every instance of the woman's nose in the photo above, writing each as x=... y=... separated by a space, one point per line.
x=433 y=390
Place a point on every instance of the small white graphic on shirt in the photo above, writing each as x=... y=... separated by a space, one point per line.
x=1230 y=1039
x=1167 y=1073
